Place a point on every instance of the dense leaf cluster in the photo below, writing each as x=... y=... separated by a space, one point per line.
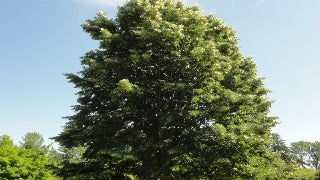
x=21 y=163
x=168 y=95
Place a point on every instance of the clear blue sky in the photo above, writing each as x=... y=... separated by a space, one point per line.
x=41 y=39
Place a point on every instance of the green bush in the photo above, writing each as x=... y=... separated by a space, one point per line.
x=317 y=175
x=304 y=173
x=20 y=163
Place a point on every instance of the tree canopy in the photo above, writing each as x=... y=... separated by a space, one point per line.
x=306 y=153
x=168 y=95
x=32 y=140
x=20 y=163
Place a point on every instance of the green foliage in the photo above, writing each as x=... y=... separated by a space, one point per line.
x=168 y=95
x=317 y=175
x=32 y=140
x=278 y=146
x=69 y=157
x=300 y=149
x=21 y=163
x=314 y=153
x=306 y=153
x=304 y=173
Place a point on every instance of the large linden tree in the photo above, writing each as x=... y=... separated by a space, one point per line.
x=168 y=95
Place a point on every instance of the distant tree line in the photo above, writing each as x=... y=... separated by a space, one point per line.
x=302 y=156
x=29 y=160
x=32 y=159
